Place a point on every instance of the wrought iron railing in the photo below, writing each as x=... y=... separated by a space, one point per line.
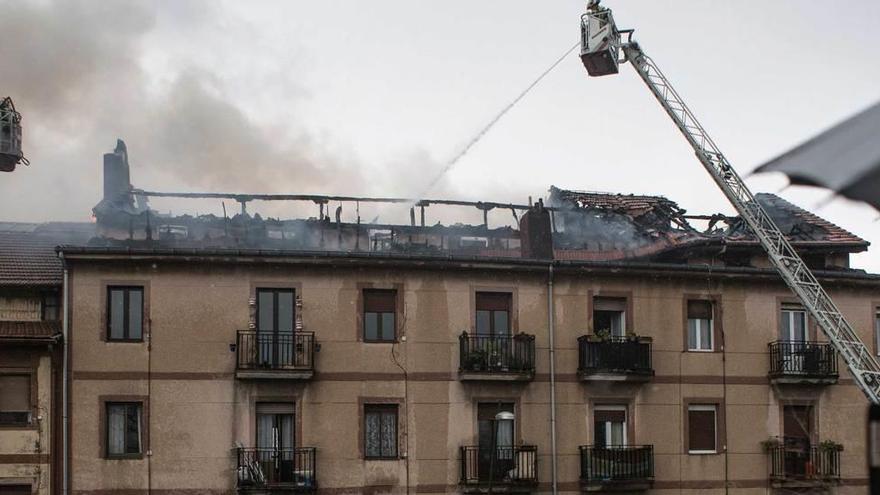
x=807 y=359
x=497 y=354
x=614 y=355
x=292 y=469
x=798 y=463
x=481 y=465
x=601 y=464
x=268 y=351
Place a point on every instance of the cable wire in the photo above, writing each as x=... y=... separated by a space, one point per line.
x=487 y=127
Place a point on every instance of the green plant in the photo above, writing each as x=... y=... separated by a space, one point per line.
x=770 y=444
x=830 y=445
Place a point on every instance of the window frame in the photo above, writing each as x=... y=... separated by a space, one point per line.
x=612 y=407
x=31 y=399
x=717 y=321
x=142 y=426
x=127 y=289
x=698 y=339
x=490 y=294
x=380 y=328
x=791 y=310
x=702 y=406
x=876 y=330
x=381 y=409
x=44 y=297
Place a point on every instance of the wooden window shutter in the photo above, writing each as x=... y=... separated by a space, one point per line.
x=493 y=301
x=15 y=393
x=699 y=309
x=609 y=304
x=612 y=415
x=379 y=301
x=701 y=429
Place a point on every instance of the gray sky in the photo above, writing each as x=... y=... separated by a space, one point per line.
x=353 y=97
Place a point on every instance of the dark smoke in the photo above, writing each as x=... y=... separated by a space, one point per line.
x=76 y=72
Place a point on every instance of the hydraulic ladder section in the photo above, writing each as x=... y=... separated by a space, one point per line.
x=794 y=271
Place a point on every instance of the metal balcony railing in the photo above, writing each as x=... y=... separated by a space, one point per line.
x=481 y=465
x=267 y=351
x=622 y=355
x=804 y=463
x=601 y=464
x=802 y=359
x=287 y=469
x=497 y=353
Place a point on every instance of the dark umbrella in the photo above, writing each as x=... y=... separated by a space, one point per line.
x=845 y=159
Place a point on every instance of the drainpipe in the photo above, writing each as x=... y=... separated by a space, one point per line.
x=65 y=325
x=550 y=309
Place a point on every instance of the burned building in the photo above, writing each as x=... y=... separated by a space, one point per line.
x=585 y=342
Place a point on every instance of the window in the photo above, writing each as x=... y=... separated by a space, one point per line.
x=609 y=316
x=609 y=426
x=16 y=489
x=877 y=328
x=493 y=313
x=794 y=323
x=380 y=431
x=700 y=326
x=379 y=315
x=124 y=429
x=275 y=327
x=51 y=307
x=15 y=399
x=702 y=429
x=125 y=313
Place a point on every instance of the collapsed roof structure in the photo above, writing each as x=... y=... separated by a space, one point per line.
x=572 y=225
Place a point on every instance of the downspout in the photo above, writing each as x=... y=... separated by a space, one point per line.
x=65 y=325
x=550 y=310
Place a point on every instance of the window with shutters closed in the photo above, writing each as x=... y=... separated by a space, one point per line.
x=700 y=325
x=380 y=308
x=15 y=399
x=702 y=428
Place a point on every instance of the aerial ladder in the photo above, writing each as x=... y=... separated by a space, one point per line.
x=10 y=136
x=601 y=45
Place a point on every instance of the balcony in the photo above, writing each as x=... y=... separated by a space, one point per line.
x=496 y=358
x=614 y=359
x=802 y=362
x=625 y=468
x=501 y=470
x=276 y=470
x=794 y=466
x=275 y=356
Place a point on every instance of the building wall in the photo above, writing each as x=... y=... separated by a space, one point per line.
x=198 y=411
x=26 y=451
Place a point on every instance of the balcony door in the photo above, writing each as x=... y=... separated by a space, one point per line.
x=496 y=440
x=276 y=440
x=794 y=323
x=493 y=314
x=797 y=429
x=795 y=350
x=275 y=327
x=609 y=426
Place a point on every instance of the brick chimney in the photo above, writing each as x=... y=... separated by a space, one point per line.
x=117 y=180
x=535 y=234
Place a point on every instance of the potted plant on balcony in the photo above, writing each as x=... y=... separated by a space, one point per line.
x=830 y=446
x=476 y=360
x=770 y=444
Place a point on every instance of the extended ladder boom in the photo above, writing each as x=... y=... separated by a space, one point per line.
x=794 y=271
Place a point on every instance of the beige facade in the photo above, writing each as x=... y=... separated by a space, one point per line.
x=196 y=412
x=28 y=393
